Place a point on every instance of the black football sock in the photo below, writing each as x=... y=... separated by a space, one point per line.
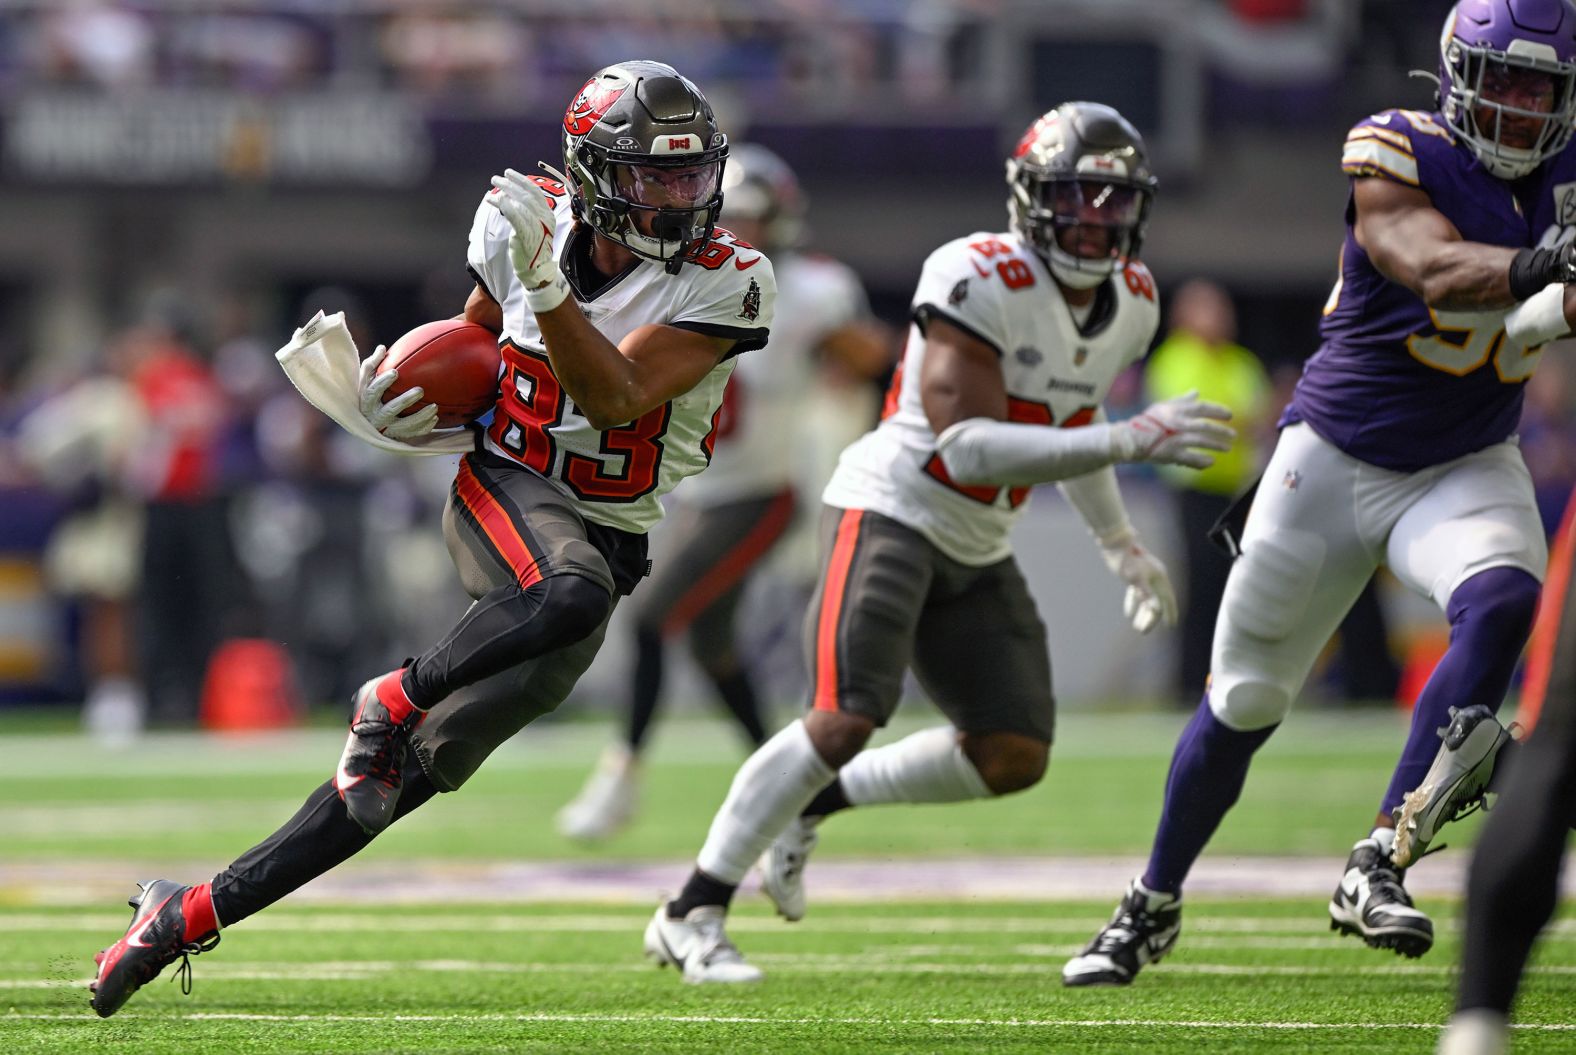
x=700 y=889
x=646 y=686
x=827 y=801
x=738 y=693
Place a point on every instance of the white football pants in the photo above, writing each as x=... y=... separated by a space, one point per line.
x=1320 y=525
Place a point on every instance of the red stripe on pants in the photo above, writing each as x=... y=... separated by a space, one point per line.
x=498 y=526
x=835 y=583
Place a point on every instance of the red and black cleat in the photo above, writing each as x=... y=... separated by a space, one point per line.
x=371 y=769
x=155 y=939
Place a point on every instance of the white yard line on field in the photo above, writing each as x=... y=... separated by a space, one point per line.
x=1269 y=929
x=874 y=963
x=835 y=880
x=752 y=1020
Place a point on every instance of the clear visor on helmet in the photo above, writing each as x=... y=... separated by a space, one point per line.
x=1091 y=201
x=1515 y=111
x=668 y=187
x=1088 y=219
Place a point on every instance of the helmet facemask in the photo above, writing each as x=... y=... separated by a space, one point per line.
x=1082 y=226
x=1513 y=108
x=659 y=208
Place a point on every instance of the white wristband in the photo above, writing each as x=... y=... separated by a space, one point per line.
x=1539 y=319
x=548 y=297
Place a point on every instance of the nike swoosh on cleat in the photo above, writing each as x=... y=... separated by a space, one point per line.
x=133 y=938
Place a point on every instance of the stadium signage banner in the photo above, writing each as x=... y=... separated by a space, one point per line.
x=173 y=138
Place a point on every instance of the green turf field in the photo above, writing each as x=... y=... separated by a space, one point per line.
x=1314 y=789
x=1252 y=972
x=1248 y=976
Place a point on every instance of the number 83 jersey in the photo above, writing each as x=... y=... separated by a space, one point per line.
x=1056 y=370
x=616 y=476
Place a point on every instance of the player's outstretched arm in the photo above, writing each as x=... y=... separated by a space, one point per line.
x=965 y=400
x=1414 y=244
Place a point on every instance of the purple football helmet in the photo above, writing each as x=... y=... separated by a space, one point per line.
x=1507 y=80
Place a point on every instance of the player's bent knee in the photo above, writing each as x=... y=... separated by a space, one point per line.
x=576 y=605
x=1247 y=706
x=838 y=735
x=1272 y=582
x=1007 y=762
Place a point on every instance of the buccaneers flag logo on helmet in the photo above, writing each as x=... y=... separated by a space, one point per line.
x=589 y=106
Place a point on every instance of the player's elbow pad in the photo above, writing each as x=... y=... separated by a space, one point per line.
x=987 y=451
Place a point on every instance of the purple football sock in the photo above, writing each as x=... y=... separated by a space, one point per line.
x=1207 y=773
x=1490 y=617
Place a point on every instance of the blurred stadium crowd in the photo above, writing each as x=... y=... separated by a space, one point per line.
x=171 y=509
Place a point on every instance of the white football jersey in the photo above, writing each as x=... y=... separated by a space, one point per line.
x=1056 y=373
x=616 y=476
x=767 y=395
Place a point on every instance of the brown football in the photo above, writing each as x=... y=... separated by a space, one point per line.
x=455 y=364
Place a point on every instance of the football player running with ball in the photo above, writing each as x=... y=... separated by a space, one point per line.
x=1015 y=339
x=619 y=310
x=1398 y=449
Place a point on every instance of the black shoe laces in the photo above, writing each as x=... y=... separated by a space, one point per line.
x=384 y=765
x=1386 y=883
x=1122 y=930
x=186 y=952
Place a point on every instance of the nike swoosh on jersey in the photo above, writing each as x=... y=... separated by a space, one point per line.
x=739 y=263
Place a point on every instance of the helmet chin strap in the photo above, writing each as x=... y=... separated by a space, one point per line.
x=1075 y=274
x=1508 y=168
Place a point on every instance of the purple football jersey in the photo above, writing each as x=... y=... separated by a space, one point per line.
x=1398 y=385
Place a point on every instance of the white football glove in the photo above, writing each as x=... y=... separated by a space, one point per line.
x=1150 y=600
x=525 y=206
x=385 y=417
x=1174 y=432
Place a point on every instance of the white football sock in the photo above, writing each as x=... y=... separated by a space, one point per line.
x=1475 y=1032
x=929 y=766
x=773 y=787
x=1385 y=837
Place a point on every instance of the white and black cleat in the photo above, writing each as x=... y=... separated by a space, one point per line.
x=1455 y=785
x=1142 y=930
x=698 y=946
x=1371 y=903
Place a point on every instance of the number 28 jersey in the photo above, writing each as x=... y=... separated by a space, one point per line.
x=1056 y=371
x=616 y=476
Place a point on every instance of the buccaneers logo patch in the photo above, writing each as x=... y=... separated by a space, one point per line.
x=589 y=106
x=751 y=308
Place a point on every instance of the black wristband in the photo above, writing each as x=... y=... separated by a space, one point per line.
x=1530 y=271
